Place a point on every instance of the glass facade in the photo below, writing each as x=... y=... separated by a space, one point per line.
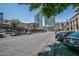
x=1 y=15
x=38 y=19
x=49 y=23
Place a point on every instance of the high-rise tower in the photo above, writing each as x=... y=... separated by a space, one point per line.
x=1 y=16
x=50 y=23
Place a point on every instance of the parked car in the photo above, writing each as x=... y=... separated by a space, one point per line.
x=16 y=34
x=61 y=35
x=72 y=40
x=29 y=32
x=68 y=33
x=2 y=35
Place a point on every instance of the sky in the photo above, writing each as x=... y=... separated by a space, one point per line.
x=15 y=11
x=21 y=12
x=66 y=15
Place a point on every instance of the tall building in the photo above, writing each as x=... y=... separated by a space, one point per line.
x=38 y=19
x=1 y=16
x=50 y=23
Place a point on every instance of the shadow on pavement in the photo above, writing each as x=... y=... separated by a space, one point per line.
x=58 y=49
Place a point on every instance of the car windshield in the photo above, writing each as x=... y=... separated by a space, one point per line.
x=74 y=34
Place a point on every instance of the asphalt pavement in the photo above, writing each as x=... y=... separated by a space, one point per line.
x=24 y=45
x=36 y=44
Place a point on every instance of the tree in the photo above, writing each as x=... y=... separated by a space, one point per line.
x=15 y=23
x=49 y=9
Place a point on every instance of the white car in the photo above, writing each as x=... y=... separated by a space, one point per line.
x=2 y=34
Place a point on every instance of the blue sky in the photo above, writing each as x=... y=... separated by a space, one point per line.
x=66 y=15
x=15 y=11
x=21 y=12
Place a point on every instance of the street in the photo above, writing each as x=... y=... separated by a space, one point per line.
x=36 y=44
x=24 y=44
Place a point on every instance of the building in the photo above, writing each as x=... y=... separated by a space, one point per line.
x=23 y=27
x=1 y=15
x=33 y=27
x=5 y=26
x=60 y=26
x=38 y=19
x=49 y=22
x=73 y=23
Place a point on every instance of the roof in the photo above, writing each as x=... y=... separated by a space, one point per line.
x=74 y=16
x=4 y=25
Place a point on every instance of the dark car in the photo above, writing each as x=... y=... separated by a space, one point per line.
x=68 y=33
x=72 y=40
x=61 y=35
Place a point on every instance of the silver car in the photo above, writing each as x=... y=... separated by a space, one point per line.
x=2 y=34
x=29 y=32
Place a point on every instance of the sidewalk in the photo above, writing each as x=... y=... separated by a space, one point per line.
x=56 y=48
x=47 y=51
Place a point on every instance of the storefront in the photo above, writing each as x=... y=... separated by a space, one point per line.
x=5 y=28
